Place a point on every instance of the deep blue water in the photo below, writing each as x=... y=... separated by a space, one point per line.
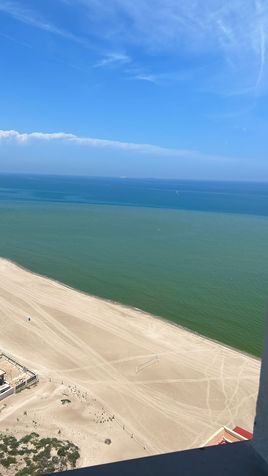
x=226 y=197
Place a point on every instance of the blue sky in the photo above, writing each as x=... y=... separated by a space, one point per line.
x=144 y=88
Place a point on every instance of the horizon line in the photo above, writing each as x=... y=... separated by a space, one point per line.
x=115 y=177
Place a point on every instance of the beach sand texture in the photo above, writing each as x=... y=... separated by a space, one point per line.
x=148 y=385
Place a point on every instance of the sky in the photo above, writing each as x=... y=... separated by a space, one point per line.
x=144 y=88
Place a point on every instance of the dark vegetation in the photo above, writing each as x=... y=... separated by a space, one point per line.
x=65 y=400
x=34 y=456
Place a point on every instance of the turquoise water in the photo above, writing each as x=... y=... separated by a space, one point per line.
x=159 y=247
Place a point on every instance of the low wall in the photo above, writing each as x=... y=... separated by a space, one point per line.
x=14 y=362
x=5 y=394
x=32 y=377
x=26 y=383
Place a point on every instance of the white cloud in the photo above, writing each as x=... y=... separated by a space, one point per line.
x=235 y=31
x=25 y=138
x=112 y=59
x=30 y=17
x=150 y=78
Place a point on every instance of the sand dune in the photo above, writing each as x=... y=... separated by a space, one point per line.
x=144 y=383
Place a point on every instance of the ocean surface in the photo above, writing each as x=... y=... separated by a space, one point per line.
x=195 y=253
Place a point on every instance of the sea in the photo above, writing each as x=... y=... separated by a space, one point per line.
x=194 y=253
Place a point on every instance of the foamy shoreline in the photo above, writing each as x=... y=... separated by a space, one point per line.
x=167 y=388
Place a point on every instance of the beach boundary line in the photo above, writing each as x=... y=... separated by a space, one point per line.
x=143 y=313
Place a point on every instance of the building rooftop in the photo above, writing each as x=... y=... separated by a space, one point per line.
x=225 y=435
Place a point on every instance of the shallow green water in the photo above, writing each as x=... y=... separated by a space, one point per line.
x=206 y=271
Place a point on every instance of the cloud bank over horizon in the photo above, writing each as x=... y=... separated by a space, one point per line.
x=69 y=154
x=27 y=137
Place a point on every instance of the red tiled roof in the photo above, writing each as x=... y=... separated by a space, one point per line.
x=246 y=434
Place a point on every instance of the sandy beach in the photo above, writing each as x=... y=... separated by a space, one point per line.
x=145 y=384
